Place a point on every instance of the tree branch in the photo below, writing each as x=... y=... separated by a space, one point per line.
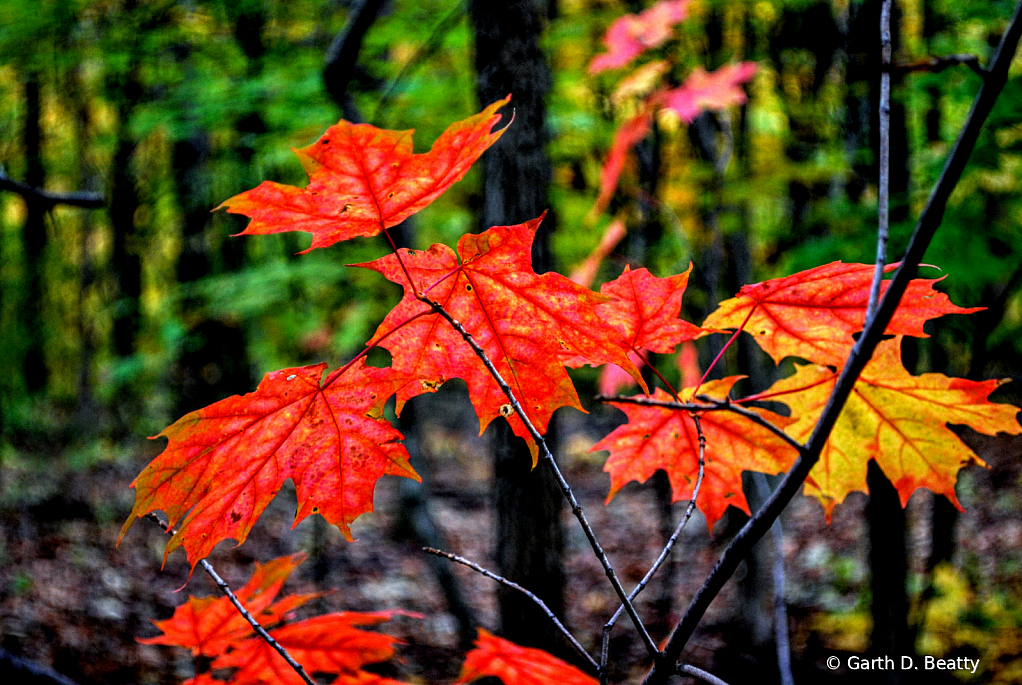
x=605 y=649
x=256 y=626
x=781 y=638
x=544 y=450
x=929 y=221
x=515 y=586
x=884 y=191
x=342 y=55
x=937 y=64
x=711 y=405
x=49 y=198
x=686 y=669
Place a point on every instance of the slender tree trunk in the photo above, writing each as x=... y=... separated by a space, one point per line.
x=34 y=241
x=516 y=176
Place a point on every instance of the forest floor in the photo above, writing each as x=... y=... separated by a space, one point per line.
x=72 y=600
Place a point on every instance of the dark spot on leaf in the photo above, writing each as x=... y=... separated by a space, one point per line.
x=235 y=517
x=325 y=141
x=468 y=288
x=390 y=194
x=346 y=207
x=315 y=510
x=646 y=436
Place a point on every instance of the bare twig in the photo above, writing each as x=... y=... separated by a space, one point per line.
x=780 y=596
x=515 y=586
x=884 y=192
x=544 y=450
x=929 y=222
x=711 y=404
x=605 y=649
x=938 y=64
x=49 y=198
x=256 y=626
x=687 y=669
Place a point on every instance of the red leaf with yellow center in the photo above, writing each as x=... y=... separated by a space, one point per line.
x=663 y=438
x=515 y=665
x=526 y=323
x=813 y=314
x=209 y=625
x=703 y=91
x=898 y=419
x=646 y=310
x=224 y=463
x=363 y=179
x=631 y=35
x=324 y=644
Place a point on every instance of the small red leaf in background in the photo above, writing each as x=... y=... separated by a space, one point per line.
x=585 y=274
x=703 y=91
x=324 y=644
x=688 y=365
x=363 y=179
x=631 y=35
x=625 y=138
x=526 y=322
x=224 y=463
x=662 y=438
x=514 y=665
x=209 y=625
x=812 y=314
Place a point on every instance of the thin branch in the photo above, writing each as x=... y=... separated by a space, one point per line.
x=938 y=64
x=687 y=669
x=515 y=586
x=342 y=56
x=256 y=626
x=884 y=192
x=605 y=649
x=544 y=450
x=929 y=222
x=781 y=638
x=49 y=198
x=711 y=405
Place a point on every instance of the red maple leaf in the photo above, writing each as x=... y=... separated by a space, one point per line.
x=631 y=35
x=813 y=314
x=224 y=463
x=525 y=322
x=703 y=91
x=324 y=644
x=515 y=665
x=363 y=179
x=663 y=438
x=209 y=625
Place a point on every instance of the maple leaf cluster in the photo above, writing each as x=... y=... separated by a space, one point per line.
x=479 y=312
x=330 y=644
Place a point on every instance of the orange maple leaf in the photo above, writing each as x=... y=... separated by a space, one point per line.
x=209 y=625
x=715 y=90
x=812 y=314
x=663 y=438
x=324 y=644
x=647 y=310
x=895 y=418
x=515 y=665
x=224 y=463
x=631 y=132
x=363 y=179
x=631 y=35
x=526 y=322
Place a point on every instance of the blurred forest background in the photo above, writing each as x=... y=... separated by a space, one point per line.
x=119 y=315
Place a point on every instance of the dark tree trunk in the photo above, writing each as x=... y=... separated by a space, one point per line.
x=34 y=241
x=516 y=176
x=126 y=260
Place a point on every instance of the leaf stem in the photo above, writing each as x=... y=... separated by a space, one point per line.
x=726 y=345
x=256 y=626
x=515 y=586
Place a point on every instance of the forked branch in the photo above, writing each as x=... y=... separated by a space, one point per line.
x=515 y=586
x=929 y=221
x=256 y=626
